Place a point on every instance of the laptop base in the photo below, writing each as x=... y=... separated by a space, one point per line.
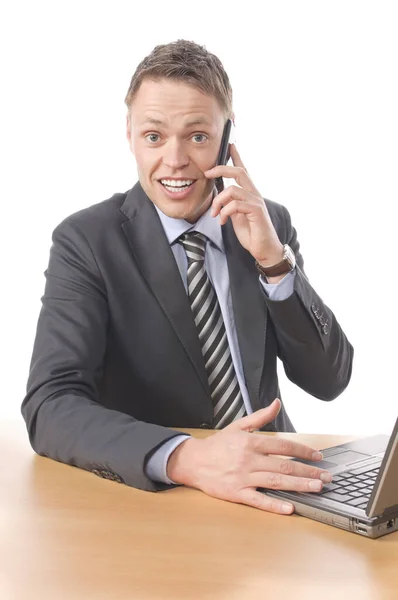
x=371 y=528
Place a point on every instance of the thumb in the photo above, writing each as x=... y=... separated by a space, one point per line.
x=257 y=419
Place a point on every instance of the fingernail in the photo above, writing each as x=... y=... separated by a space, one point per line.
x=317 y=456
x=315 y=485
x=326 y=477
x=287 y=508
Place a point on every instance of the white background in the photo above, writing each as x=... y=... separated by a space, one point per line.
x=315 y=97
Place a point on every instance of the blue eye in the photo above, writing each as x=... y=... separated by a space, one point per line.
x=151 y=135
x=199 y=135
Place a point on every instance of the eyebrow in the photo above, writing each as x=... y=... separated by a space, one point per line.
x=198 y=121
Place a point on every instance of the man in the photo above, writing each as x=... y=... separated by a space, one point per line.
x=167 y=306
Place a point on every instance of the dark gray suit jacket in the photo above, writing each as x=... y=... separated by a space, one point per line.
x=117 y=361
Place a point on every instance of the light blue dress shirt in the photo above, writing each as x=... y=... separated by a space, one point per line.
x=217 y=270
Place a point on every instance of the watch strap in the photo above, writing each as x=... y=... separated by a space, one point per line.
x=286 y=265
x=280 y=268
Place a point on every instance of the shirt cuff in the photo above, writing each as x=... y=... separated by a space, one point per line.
x=156 y=467
x=281 y=290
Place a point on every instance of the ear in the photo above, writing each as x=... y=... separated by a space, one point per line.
x=128 y=130
x=232 y=136
x=128 y=133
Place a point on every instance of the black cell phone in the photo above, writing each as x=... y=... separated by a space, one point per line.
x=224 y=154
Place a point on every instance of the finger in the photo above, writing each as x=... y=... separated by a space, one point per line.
x=259 y=500
x=236 y=159
x=237 y=207
x=288 y=467
x=238 y=173
x=231 y=193
x=285 y=447
x=277 y=481
x=257 y=419
x=236 y=193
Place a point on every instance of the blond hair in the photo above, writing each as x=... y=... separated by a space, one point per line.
x=186 y=62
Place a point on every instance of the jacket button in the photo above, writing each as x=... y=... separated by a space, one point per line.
x=313 y=308
x=325 y=329
x=205 y=426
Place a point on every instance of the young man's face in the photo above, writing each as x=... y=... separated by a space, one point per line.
x=175 y=134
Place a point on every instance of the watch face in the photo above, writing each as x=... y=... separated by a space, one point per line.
x=289 y=255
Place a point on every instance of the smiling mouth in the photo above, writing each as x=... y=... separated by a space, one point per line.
x=179 y=192
x=185 y=183
x=177 y=189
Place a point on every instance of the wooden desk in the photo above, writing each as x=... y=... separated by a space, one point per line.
x=66 y=534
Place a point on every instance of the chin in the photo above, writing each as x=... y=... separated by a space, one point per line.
x=188 y=213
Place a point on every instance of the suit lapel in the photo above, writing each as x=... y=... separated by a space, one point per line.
x=156 y=261
x=250 y=311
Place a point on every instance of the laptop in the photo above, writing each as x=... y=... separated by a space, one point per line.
x=363 y=496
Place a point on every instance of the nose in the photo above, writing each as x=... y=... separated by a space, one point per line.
x=175 y=155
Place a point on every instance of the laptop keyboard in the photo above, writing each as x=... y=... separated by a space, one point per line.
x=352 y=487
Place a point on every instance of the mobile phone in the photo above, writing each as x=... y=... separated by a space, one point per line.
x=224 y=154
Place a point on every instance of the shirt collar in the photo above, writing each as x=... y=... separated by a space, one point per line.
x=206 y=224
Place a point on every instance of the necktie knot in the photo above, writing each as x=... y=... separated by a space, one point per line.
x=194 y=244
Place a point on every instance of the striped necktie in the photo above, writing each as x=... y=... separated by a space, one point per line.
x=226 y=396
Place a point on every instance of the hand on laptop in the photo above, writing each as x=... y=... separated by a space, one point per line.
x=233 y=463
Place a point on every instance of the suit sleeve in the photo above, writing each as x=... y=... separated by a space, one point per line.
x=315 y=352
x=64 y=418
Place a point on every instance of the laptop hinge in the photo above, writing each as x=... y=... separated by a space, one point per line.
x=391 y=509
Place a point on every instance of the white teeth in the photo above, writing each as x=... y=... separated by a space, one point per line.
x=174 y=183
x=176 y=190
